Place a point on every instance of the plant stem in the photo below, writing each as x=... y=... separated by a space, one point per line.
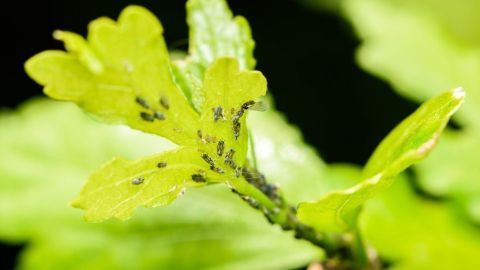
x=342 y=253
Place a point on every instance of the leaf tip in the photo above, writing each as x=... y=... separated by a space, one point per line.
x=459 y=93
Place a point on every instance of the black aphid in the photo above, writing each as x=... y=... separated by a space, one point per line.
x=137 y=181
x=162 y=165
x=238 y=171
x=164 y=102
x=236 y=129
x=230 y=163
x=220 y=147
x=217 y=170
x=199 y=134
x=247 y=105
x=147 y=117
x=159 y=115
x=229 y=154
x=142 y=102
x=198 y=178
x=238 y=115
x=209 y=160
x=218 y=113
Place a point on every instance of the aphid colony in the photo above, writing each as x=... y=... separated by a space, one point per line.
x=218 y=114
x=153 y=114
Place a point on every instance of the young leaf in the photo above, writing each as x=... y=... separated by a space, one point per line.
x=149 y=182
x=411 y=141
x=229 y=93
x=121 y=75
x=214 y=33
x=448 y=55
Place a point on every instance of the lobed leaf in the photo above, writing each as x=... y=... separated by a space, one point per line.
x=120 y=186
x=411 y=141
x=227 y=92
x=214 y=33
x=121 y=74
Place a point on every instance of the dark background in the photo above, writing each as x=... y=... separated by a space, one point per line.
x=306 y=55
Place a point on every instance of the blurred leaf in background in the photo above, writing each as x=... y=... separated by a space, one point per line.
x=48 y=150
x=422 y=47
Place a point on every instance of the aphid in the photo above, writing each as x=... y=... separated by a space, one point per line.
x=220 y=147
x=209 y=160
x=147 y=117
x=248 y=175
x=164 y=102
x=248 y=104
x=217 y=170
x=198 y=178
x=269 y=189
x=238 y=115
x=142 y=102
x=229 y=154
x=218 y=113
x=231 y=163
x=259 y=106
x=162 y=165
x=238 y=171
x=137 y=181
x=210 y=139
x=159 y=115
x=236 y=129
x=251 y=201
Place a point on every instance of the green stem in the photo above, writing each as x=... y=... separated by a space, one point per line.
x=343 y=254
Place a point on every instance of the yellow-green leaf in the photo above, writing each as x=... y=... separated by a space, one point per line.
x=121 y=74
x=120 y=186
x=411 y=141
x=228 y=94
x=214 y=33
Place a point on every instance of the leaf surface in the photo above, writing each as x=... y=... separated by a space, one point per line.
x=411 y=141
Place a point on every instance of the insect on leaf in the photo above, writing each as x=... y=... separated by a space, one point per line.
x=121 y=74
x=229 y=94
x=150 y=182
x=411 y=141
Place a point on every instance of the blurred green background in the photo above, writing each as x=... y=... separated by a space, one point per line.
x=344 y=72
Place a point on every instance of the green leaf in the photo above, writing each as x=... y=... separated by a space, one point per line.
x=205 y=229
x=447 y=56
x=412 y=233
x=411 y=141
x=228 y=94
x=215 y=33
x=122 y=74
x=150 y=182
